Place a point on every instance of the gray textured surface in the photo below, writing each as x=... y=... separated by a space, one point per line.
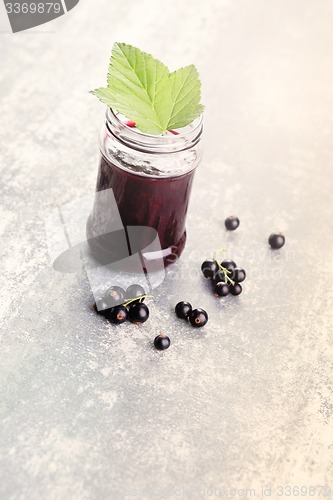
x=92 y=412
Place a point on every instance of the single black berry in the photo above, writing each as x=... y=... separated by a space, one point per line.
x=133 y=292
x=276 y=241
x=101 y=306
x=183 y=309
x=236 y=289
x=228 y=264
x=117 y=314
x=221 y=289
x=198 y=317
x=238 y=275
x=209 y=268
x=162 y=342
x=114 y=296
x=232 y=223
x=138 y=313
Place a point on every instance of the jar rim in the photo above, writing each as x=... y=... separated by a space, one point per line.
x=184 y=138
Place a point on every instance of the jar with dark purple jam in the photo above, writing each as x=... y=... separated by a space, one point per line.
x=149 y=180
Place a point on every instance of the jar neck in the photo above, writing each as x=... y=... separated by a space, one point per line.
x=177 y=140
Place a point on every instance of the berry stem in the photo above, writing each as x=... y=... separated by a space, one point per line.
x=138 y=298
x=220 y=250
x=225 y=271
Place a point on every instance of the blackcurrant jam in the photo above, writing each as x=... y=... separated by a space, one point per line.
x=149 y=179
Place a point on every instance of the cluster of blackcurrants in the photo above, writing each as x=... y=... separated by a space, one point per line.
x=225 y=276
x=197 y=317
x=119 y=306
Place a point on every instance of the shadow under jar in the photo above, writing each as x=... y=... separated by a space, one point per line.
x=151 y=179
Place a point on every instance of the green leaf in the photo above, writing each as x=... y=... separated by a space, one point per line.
x=142 y=88
x=185 y=93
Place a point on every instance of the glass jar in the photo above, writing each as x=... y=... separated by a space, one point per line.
x=151 y=179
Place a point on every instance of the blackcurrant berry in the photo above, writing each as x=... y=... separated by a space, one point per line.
x=134 y=291
x=239 y=275
x=209 y=268
x=101 y=306
x=114 y=296
x=162 y=342
x=232 y=223
x=117 y=314
x=236 y=289
x=198 y=317
x=276 y=241
x=183 y=309
x=221 y=289
x=228 y=264
x=138 y=313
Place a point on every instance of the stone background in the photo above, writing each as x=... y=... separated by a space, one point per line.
x=89 y=411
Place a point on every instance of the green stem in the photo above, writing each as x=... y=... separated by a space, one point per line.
x=138 y=298
x=220 y=250
x=225 y=271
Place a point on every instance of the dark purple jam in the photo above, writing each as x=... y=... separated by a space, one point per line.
x=158 y=202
